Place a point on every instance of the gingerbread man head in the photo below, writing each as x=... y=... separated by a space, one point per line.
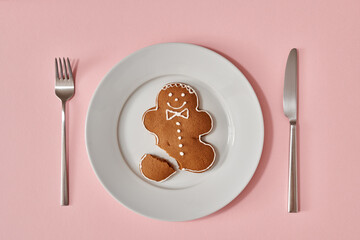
x=177 y=97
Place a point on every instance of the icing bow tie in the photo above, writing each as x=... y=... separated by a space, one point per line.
x=171 y=114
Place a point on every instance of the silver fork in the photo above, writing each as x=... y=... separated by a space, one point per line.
x=64 y=89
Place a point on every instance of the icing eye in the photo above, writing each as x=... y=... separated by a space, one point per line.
x=183 y=94
x=170 y=94
x=176 y=99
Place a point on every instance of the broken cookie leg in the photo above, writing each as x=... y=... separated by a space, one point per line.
x=155 y=168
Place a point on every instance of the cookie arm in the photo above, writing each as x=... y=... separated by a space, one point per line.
x=205 y=121
x=149 y=119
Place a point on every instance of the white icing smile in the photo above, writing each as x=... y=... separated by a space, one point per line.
x=176 y=107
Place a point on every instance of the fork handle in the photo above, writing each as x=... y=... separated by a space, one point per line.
x=64 y=199
x=293 y=190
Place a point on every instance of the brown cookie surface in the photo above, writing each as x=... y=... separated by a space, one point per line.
x=178 y=126
x=155 y=168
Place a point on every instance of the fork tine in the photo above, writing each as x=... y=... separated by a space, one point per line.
x=69 y=67
x=56 y=69
x=65 y=73
x=61 y=70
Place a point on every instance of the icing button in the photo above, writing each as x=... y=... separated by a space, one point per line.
x=180 y=145
x=179 y=137
x=181 y=154
x=178 y=130
x=177 y=123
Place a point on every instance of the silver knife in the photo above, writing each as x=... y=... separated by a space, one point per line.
x=290 y=109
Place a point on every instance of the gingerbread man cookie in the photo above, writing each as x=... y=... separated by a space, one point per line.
x=178 y=126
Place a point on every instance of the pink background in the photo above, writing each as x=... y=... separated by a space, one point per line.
x=256 y=36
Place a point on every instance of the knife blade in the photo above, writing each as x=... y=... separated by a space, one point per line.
x=290 y=103
x=290 y=86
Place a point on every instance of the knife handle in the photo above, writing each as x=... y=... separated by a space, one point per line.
x=293 y=190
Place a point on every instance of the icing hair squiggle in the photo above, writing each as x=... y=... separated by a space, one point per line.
x=187 y=87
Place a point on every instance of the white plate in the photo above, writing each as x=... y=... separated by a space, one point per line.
x=116 y=138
